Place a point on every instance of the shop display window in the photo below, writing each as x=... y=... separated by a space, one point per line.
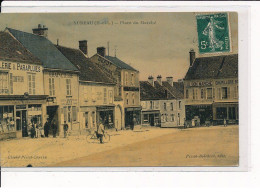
x=7 y=123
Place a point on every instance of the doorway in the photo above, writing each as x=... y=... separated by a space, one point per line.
x=21 y=122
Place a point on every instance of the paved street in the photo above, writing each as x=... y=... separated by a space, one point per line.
x=213 y=146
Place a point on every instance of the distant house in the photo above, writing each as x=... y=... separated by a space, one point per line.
x=96 y=99
x=22 y=97
x=59 y=74
x=162 y=102
x=127 y=94
x=211 y=89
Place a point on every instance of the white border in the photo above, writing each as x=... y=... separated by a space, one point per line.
x=244 y=65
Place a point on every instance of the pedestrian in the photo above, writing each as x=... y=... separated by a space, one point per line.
x=65 y=128
x=33 y=130
x=46 y=128
x=132 y=124
x=100 y=131
x=225 y=122
x=54 y=129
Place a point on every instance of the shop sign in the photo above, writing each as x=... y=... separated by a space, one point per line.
x=21 y=106
x=222 y=82
x=20 y=67
x=200 y=83
x=60 y=74
x=69 y=101
x=34 y=113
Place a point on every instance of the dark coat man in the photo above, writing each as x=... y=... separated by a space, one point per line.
x=46 y=129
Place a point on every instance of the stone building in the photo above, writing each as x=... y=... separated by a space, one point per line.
x=162 y=102
x=60 y=77
x=22 y=97
x=211 y=89
x=127 y=94
x=96 y=87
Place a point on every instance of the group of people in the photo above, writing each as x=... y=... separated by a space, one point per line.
x=53 y=127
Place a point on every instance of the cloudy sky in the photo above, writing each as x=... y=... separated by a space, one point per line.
x=161 y=47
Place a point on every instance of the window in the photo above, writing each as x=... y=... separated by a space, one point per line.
x=133 y=98
x=127 y=100
x=187 y=94
x=232 y=113
x=69 y=114
x=164 y=106
x=224 y=93
x=209 y=93
x=68 y=87
x=171 y=105
x=236 y=92
x=202 y=93
x=4 y=83
x=31 y=83
x=151 y=104
x=105 y=95
x=179 y=104
x=51 y=87
x=219 y=93
x=110 y=96
x=11 y=83
x=172 y=117
x=145 y=117
x=132 y=79
x=93 y=119
x=74 y=113
x=166 y=117
x=126 y=78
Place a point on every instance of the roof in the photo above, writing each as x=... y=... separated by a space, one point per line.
x=177 y=90
x=43 y=49
x=120 y=64
x=89 y=71
x=224 y=66
x=156 y=92
x=12 y=50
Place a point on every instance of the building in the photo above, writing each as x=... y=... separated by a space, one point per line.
x=211 y=89
x=127 y=93
x=96 y=87
x=60 y=77
x=162 y=102
x=22 y=97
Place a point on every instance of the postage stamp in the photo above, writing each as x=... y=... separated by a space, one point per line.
x=213 y=33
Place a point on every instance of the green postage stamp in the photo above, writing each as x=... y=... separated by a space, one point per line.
x=213 y=33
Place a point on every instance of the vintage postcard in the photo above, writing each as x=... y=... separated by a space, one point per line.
x=119 y=89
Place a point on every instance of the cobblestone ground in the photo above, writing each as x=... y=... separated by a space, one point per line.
x=205 y=146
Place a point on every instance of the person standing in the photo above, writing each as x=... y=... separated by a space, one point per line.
x=225 y=122
x=54 y=129
x=65 y=128
x=100 y=131
x=46 y=128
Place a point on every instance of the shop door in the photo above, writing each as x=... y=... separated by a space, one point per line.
x=21 y=122
x=151 y=119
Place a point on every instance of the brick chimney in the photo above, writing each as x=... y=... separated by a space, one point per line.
x=192 y=56
x=150 y=80
x=83 y=46
x=101 y=51
x=170 y=80
x=41 y=31
x=159 y=79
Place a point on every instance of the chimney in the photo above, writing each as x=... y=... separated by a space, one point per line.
x=170 y=80
x=101 y=51
x=150 y=80
x=192 y=56
x=159 y=79
x=83 y=46
x=41 y=31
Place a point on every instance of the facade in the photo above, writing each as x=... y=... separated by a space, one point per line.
x=22 y=97
x=96 y=99
x=60 y=78
x=162 y=103
x=211 y=89
x=127 y=90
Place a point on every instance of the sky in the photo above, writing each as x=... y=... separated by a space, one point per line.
x=159 y=46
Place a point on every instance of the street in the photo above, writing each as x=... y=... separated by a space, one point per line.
x=204 y=146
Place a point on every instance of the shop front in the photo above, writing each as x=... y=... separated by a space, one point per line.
x=228 y=111
x=132 y=113
x=18 y=113
x=151 y=118
x=200 y=113
x=106 y=114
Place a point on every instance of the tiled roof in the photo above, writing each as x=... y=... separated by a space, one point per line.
x=156 y=92
x=44 y=50
x=12 y=50
x=119 y=63
x=225 y=66
x=88 y=70
x=176 y=90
